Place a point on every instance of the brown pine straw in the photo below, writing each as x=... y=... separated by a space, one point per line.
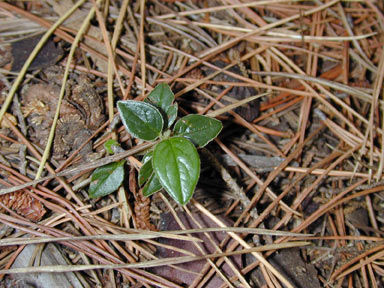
x=278 y=35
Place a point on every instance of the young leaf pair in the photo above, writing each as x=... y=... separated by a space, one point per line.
x=174 y=163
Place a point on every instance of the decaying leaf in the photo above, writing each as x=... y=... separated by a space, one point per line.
x=190 y=270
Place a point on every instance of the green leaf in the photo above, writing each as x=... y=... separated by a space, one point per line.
x=162 y=96
x=198 y=128
x=147 y=157
x=171 y=114
x=106 y=179
x=152 y=186
x=108 y=145
x=142 y=120
x=177 y=166
x=145 y=172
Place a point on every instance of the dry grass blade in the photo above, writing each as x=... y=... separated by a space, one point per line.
x=152 y=263
x=143 y=235
x=232 y=106
x=31 y=57
x=76 y=41
x=347 y=89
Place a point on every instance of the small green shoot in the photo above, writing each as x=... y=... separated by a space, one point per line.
x=109 y=146
x=174 y=163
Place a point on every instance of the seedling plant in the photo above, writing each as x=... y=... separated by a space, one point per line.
x=173 y=163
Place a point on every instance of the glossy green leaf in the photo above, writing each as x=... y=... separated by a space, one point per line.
x=142 y=120
x=162 y=96
x=177 y=166
x=148 y=176
x=152 y=186
x=171 y=114
x=198 y=128
x=106 y=179
x=147 y=156
x=108 y=145
x=145 y=172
